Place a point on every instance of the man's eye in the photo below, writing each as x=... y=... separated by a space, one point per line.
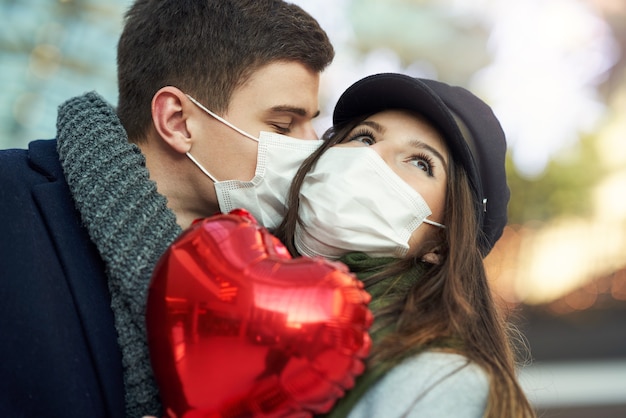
x=281 y=128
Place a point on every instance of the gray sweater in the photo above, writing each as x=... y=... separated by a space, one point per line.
x=127 y=220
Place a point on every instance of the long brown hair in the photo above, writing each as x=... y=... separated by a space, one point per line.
x=450 y=307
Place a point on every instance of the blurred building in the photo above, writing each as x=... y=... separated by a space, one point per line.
x=578 y=351
x=51 y=51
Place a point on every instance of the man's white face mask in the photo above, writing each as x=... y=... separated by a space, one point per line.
x=278 y=159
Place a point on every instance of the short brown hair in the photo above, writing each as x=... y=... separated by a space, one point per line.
x=207 y=48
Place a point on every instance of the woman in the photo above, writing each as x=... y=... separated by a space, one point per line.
x=409 y=191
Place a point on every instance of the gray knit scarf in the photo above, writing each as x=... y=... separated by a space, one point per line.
x=127 y=219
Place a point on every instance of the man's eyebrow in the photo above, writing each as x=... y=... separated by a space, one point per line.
x=294 y=109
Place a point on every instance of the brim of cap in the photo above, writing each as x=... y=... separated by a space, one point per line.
x=397 y=91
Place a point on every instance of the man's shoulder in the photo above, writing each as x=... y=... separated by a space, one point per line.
x=24 y=173
x=40 y=145
x=39 y=157
x=37 y=148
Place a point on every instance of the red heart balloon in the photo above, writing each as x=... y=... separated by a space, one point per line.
x=237 y=328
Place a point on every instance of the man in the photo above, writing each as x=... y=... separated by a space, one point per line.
x=79 y=239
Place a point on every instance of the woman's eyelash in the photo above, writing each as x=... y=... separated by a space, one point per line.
x=426 y=158
x=359 y=133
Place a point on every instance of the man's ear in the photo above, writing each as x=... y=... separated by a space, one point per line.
x=170 y=118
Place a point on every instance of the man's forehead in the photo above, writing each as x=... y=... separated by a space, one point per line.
x=281 y=87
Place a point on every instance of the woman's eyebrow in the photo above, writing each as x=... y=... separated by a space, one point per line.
x=374 y=125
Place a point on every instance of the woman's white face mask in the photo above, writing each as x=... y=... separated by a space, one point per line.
x=351 y=200
x=278 y=159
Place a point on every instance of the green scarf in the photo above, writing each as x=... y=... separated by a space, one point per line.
x=383 y=292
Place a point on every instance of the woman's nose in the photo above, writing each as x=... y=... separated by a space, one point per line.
x=384 y=151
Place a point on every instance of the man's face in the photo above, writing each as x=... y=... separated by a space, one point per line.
x=280 y=97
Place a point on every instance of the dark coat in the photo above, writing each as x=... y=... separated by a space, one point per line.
x=59 y=355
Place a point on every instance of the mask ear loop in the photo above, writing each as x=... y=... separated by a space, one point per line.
x=221 y=119
x=193 y=160
x=225 y=122
x=433 y=223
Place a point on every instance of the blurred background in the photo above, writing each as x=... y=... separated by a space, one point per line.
x=554 y=72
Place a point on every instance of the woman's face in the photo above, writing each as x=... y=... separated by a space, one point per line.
x=415 y=151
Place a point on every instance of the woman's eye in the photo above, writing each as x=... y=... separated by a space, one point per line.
x=423 y=164
x=364 y=139
x=362 y=135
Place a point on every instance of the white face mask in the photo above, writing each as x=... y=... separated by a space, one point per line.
x=351 y=200
x=265 y=196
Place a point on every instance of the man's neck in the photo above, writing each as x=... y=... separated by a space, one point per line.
x=177 y=180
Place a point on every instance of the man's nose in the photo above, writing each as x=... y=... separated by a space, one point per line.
x=307 y=132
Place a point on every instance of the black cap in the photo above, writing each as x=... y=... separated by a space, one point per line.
x=470 y=128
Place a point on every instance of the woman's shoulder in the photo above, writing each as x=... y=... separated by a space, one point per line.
x=436 y=366
x=431 y=384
